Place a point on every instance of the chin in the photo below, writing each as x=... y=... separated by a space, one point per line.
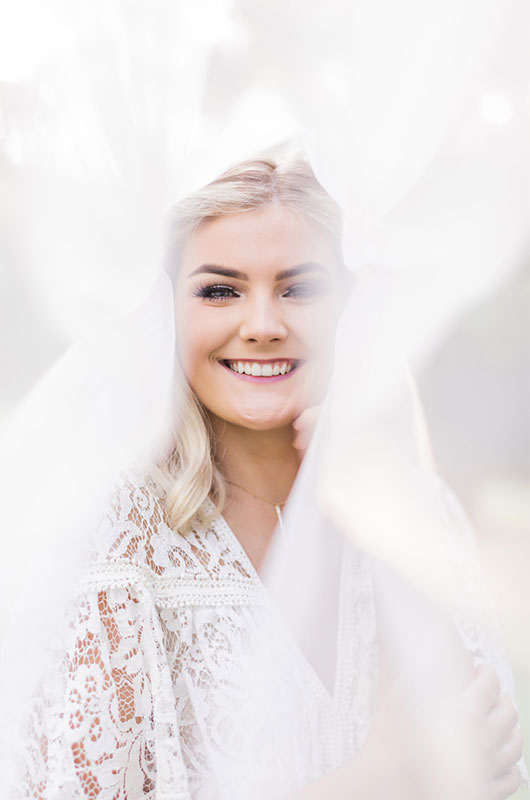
x=263 y=422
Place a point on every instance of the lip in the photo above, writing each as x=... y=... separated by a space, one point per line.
x=261 y=379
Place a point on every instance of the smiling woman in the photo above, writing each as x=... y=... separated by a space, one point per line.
x=178 y=679
x=256 y=264
x=283 y=319
x=257 y=349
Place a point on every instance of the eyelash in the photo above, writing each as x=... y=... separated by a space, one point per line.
x=303 y=290
x=218 y=292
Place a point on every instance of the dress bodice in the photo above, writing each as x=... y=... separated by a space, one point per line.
x=179 y=680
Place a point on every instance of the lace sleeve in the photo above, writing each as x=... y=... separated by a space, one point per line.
x=475 y=615
x=101 y=726
x=104 y=721
x=475 y=618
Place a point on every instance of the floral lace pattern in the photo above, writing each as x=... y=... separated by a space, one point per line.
x=177 y=680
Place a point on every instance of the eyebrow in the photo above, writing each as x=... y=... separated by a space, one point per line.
x=228 y=272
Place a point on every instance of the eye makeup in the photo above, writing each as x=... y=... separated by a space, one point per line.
x=306 y=290
x=215 y=292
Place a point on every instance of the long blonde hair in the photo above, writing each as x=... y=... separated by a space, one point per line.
x=189 y=473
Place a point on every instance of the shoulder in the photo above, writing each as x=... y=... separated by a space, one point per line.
x=135 y=529
x=473 y=608
x=453 y=524
x=136 y=545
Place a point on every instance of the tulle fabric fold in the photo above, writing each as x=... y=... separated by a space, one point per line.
x=373 y=92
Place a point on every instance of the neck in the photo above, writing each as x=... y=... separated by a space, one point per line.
x=264 y=462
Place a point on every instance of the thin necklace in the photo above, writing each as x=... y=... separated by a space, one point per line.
x=277 y=506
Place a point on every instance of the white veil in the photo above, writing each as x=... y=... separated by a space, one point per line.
x=132 y=107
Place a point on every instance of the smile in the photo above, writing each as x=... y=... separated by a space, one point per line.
x=271 y=369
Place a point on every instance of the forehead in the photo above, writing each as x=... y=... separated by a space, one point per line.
x=258 y=242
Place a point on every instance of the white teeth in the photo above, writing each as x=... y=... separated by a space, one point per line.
x=260 y=370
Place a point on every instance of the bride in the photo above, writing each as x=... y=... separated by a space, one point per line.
x=177 y=677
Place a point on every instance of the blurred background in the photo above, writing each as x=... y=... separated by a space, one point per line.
x=415 y=116
x=476 y=394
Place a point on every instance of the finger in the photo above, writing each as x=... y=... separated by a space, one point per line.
x=501 y=720
x=304 y=426
x=301 y=442
x=307 y=419
x=509 y=754
x=507 y=784
x=301 y=439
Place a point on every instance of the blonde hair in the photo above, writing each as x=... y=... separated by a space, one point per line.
x=189 y=474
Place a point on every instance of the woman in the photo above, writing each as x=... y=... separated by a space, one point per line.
x=177 y=679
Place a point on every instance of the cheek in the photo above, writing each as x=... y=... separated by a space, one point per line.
x=194 y=352
x=192 y=341
x=317 y=331
x=200 y=334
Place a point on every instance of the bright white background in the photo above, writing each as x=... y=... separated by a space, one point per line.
x=416 y=118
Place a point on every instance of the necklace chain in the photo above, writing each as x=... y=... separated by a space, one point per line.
x=257 y=496
x=277 y=506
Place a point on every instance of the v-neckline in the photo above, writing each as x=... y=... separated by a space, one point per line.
x=331 y=696
x=256 y=573
x=240 y=551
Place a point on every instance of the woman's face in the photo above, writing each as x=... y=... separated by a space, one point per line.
x=257 y=299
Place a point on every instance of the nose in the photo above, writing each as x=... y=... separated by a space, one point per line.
x=262 y=321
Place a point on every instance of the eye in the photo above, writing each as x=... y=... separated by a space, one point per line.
x=216 y=292
x=305 y=290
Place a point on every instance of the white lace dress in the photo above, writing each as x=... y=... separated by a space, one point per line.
x=158 y=692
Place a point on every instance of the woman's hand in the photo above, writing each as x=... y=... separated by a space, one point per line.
x=304 y=426
x=490 y=737
x=465 y=751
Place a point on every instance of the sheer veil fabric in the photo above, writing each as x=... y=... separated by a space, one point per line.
x=372 y=92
